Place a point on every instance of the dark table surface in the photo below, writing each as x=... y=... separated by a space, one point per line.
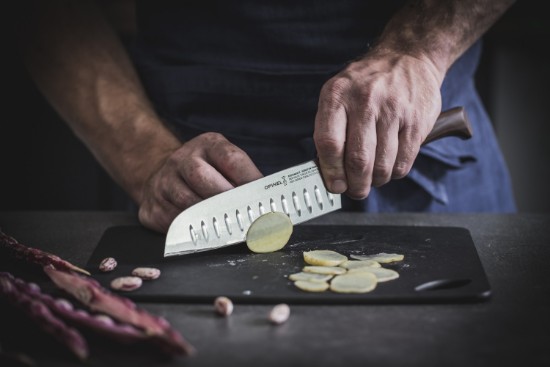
x=512 y=328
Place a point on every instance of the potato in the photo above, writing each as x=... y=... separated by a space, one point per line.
x=310 y=277
x=354 y=264
x=361 y=282
x=270 y=232
x=311 y=286
x=324 y=258
x=329 y=269
x=382 y=257
x=382 y=274
x=333 y=270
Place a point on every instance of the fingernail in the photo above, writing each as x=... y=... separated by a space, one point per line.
x=339 y=186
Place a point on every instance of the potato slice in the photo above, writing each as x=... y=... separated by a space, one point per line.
x=310 y=277
x=324 y=258
x=270 y=232
x=382 y=274
x=354 y=264
x=311 y=286
x=382 y=257
x=332 y=270
x=361 y=282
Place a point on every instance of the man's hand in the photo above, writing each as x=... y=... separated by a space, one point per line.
x=372 y=118
x=374 y=115
x=200 y=168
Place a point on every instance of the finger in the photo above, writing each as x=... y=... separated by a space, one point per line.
x=360 y=152
x=201 y=179
x=233 y=163
x=179 y=194
x=409 y=146
x=158 y=214
x=330 y=140
x=387 y=145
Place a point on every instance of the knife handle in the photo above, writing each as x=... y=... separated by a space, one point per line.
x=452 y=122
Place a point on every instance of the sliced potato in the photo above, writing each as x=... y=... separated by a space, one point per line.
x=324 y=258
x=382 y=274
x=309 y=286
x=332 y=270
x=382 y=257
x=361 y=282
x=270 y=232
x=354 y=264
x=310 y=277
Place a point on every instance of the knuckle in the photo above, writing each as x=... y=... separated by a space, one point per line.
x=382 y=173
x=357 y=162
x=401 y=169
x=359 y=193
x=212 y=137
x=194 y=172
x=231 y=158
x=333 y=91
x=232 y=154
x=182 y=198
x=411 y=135
x=327 y=144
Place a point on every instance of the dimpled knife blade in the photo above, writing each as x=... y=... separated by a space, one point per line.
x=224 y=219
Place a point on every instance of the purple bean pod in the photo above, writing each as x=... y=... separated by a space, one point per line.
x=100 y=324
x=98 y=299
x=39 y=313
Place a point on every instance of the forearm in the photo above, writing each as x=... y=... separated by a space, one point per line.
x=81 y=67
x=440 y=31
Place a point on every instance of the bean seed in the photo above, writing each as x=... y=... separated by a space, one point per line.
x=104 y=319
x=64 y=304
x=126 y=283
x=279 y=314
x=146 y=273
x=108 y=264
x=223 y=306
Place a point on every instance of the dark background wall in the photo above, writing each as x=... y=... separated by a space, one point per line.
x=44 y=166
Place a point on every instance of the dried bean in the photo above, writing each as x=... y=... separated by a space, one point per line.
x=223 y=306
x=126 y=283
x=146 y=273
x=108 y=264
x=279 y=314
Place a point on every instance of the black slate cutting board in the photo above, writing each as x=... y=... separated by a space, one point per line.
x=441 y=265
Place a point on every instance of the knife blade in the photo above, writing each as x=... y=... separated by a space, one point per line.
x=299 y=192
x=224 y=219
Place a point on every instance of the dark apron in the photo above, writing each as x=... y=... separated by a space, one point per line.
x=253 y=70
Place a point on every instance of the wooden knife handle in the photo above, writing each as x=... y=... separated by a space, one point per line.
x=453 y=122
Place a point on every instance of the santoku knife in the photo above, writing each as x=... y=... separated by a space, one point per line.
x=299 y=192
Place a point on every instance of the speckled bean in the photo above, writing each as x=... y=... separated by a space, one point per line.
x=223 y=306
x=126 y=283
x=146 y=273
x=279 y=314
x=108 y=264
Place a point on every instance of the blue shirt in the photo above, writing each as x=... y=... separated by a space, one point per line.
x=253 y=70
